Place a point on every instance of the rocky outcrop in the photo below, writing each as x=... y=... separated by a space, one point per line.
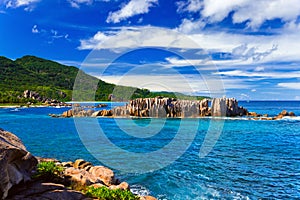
x=41 y=191
x=218 y=108
x=282 y=114
x=285 y=113
x=168 y=107
x=160 y=107
x=163 y=107
x=227 y=107
x=82 y=174
x=16 y=163
x=80 y=112
x=32 y=95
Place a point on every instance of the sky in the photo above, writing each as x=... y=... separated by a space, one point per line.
x=245 y=49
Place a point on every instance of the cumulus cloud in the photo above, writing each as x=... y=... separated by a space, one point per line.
x=133 y=37
x=190 y=5
x=255 y=14
x=245 y=49
x=134 y=7
x=189 y=26
x=28 y=4
x=77 y=3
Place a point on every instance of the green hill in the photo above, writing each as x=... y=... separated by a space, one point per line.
x=51 y=79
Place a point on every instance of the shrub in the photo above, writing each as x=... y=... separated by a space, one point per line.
x=48 y=171
x=104 y=193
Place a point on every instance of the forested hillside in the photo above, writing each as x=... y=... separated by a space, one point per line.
x=53 y=80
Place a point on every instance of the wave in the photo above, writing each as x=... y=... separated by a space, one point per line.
x=15 y=110
x=291 y=118
x=139 y=190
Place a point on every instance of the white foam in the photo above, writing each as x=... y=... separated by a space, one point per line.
x=291 y=118
x=139 y=190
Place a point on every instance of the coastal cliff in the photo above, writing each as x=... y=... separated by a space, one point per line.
x=160 y=107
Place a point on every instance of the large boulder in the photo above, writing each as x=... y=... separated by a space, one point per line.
x=42 y=191
x=105 y=174
x=16 y=163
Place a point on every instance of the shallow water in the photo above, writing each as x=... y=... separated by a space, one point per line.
x=248 y=159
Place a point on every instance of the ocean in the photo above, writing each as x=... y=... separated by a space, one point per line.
x=226 y=158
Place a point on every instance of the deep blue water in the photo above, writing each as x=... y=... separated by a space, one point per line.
x=249 y=159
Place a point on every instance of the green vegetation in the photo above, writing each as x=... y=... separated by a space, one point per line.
x=48 y=171
x=53 y=80
x=104 y=193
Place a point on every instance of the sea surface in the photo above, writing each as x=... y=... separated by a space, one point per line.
x=228 y=158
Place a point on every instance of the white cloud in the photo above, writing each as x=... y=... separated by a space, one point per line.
x=276 y=75
x=188 y=26
x=134 y=7
x=253 y=90
x=77 y=3
x=190 y=5
x=192 y=84
x=35 y=29
x=133 y=37
x=259 y=69
x=28 y=4
x=246 y=49
x=244 y=10
x=295 y=86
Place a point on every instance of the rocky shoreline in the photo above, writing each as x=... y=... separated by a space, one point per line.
x=160 y=107
x=18 y=168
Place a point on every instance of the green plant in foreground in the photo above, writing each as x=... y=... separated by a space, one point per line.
x=48 y=170
x=104 y=193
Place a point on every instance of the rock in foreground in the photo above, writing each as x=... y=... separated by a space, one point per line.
x=16 y=163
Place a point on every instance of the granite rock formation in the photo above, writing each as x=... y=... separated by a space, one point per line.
x=16 y=163
x=227 y=107
x=160 y=107
x=163 y=107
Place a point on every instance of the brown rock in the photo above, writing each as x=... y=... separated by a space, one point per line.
x=16 y=163
x=78 y=162
x=147 y=198
x=97 y=114
x=80 y=178
x=42 y=191
x=292 y=114
x=218 y=108
x=68 y=113
x=67 y=164
x=105 y=174
x=284 y=113
x=122 y=186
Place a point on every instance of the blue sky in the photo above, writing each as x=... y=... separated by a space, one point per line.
x=244 y=49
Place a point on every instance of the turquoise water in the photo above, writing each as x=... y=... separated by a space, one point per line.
x=250 y=159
